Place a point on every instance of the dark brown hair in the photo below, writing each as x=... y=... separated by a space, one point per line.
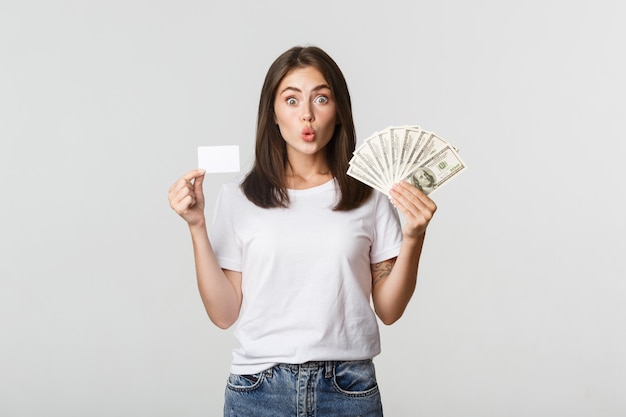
x=265 y=184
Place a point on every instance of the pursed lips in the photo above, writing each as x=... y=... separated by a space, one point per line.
x=308 y=134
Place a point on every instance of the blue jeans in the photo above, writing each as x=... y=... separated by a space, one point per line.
x=312 y=389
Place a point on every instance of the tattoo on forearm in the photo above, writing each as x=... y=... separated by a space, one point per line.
x=381 y=270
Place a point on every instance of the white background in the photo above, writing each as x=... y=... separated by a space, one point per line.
x=520 y=305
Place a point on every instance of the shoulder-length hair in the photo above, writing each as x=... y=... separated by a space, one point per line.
x=265 y=184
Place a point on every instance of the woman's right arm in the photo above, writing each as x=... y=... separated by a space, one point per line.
x=220 y=289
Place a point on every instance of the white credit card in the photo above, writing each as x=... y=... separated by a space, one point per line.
x=215 y=159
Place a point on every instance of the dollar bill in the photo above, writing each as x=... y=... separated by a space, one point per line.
x=361 y=171
x=405 y=153
x=435 y=171
x=415 y=138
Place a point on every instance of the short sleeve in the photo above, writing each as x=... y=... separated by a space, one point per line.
x=387 y=230
x=226 y=245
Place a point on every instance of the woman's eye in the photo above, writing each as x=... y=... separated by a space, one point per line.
x=291 y=101
x=321 y=99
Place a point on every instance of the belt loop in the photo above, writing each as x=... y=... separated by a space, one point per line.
x=329 y=366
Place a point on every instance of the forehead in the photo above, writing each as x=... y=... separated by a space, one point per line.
x=302 y=77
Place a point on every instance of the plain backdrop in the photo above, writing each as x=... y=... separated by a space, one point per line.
x=521 y=298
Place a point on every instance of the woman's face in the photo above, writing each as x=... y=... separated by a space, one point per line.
x=305 y=111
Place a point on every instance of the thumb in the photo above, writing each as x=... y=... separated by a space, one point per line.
x=197 y=184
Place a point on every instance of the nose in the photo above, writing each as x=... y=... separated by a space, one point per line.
x=307 y=114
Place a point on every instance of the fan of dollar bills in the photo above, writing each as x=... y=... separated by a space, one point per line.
x=405 y=153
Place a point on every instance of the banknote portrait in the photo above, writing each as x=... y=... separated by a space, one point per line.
x=424 y=179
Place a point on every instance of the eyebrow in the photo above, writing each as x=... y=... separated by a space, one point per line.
x=319 y=87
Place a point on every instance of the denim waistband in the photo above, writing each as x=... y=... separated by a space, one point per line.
x=327 y=366
x=309 y=366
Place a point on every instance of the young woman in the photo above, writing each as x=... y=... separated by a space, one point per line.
x=299 y=252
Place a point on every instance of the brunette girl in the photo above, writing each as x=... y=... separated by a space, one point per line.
x=299 y=252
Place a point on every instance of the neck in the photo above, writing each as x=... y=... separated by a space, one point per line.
x=306 y=175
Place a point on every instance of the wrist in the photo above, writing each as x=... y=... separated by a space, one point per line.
x=198 y=225
x=414 y=239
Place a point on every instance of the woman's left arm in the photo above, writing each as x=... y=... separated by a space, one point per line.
x=394 y=280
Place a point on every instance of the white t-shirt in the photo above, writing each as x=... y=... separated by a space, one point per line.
x=306 y=274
